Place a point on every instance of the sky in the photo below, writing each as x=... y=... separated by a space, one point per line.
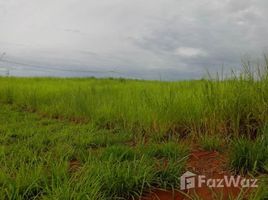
x=152 y=39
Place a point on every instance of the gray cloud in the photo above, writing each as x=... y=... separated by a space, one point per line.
x=175 y=38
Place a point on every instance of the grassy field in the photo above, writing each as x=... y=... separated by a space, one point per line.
x=48 y=159
x=228 y=107
x=115 y=139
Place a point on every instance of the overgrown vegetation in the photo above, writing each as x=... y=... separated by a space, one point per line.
x=211 y=142
x=114 y=138
x=250 y=155
x=50 y=159
x=236 y=106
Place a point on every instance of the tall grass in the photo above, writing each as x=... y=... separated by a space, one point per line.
x=248 y=155
x=235 y=105
x=124 y=133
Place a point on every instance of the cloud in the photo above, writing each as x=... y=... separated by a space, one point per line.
x=189 y=52
x=138 y=37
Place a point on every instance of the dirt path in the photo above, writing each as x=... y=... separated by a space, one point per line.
x=210 y=164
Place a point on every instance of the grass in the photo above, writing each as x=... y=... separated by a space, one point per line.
x=211 y=142
x=234 y=106
x=261 y=192
x=87 y=138
x=250 y=155
x=169 y=150
x=36 y=155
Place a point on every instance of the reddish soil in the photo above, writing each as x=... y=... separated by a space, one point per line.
x=210 y=164
x=159 y=194
x=61 y=118
x=74 y=165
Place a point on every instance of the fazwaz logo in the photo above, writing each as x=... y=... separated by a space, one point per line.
x=190 y=180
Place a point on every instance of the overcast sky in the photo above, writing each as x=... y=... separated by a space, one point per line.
x=168 y=39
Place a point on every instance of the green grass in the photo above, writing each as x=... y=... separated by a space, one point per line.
x=211 y=142
x=169 y=150
x=262 y=192
x=234 y=106
x=124 y=136
x=36 y=155
x=249 y=156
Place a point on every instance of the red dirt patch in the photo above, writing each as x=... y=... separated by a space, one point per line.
x=158 y=194
x=74 y=165
x=207 y=163
x=212 y=165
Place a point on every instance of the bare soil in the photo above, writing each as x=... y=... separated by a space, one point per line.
x=212 y=164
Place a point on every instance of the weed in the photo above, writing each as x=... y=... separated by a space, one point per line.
x=169 y=150
x=248 y=156
x=211 y=142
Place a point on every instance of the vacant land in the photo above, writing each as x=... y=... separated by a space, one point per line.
x=120 y=139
